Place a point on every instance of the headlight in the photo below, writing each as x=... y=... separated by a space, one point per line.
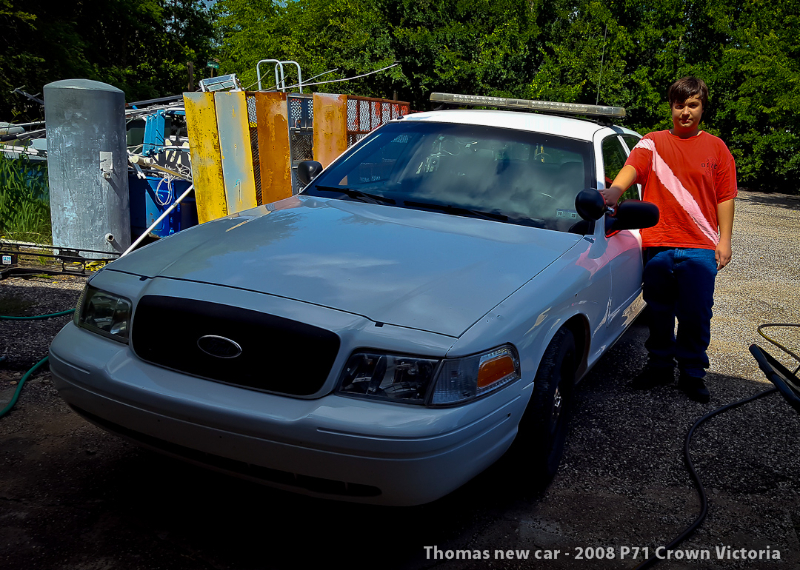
x=104 y=313
x=434 y=382
x=388 y=377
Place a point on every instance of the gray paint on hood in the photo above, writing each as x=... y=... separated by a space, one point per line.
x=417 y=269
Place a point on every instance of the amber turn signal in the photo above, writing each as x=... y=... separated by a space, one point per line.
x=496 y=369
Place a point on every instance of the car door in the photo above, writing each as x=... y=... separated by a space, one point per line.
x=623 y=247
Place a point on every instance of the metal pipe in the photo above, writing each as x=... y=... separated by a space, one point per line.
x=158 y=221
x=151 y=101
x=140 y=160
x=9 y=125
x=299 y=75
x=258 y=71
x=280 y=74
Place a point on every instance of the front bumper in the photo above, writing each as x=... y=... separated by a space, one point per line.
x=333 y=447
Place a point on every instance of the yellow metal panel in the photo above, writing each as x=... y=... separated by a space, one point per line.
x=237 y=154
x=201 y=122
x=274 y=156
x=330 y=127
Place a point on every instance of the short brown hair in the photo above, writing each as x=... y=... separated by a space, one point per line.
x=686 y=87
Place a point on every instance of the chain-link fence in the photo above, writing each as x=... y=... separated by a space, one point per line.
x=365 y=114
x=252 y=122
x=301 y=133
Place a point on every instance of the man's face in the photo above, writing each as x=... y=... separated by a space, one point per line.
x=686 y=116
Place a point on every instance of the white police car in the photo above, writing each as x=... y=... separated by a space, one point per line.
x=381 y=336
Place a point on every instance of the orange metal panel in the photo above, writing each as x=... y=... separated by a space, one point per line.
x=274 y=154
x=330 y=127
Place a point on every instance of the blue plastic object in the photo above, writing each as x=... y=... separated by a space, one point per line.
x=154 y=195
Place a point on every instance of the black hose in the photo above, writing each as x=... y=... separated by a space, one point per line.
x=700 y=489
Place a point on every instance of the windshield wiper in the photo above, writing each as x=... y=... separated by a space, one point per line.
x=357 y=194
x=458 y=210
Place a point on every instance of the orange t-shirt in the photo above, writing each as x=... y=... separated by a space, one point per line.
x=686 y=179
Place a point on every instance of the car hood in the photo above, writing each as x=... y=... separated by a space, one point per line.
x=424 y=270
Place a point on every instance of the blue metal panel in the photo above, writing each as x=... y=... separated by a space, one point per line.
x=153 y=133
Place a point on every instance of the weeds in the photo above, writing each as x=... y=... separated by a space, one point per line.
x=24 y=201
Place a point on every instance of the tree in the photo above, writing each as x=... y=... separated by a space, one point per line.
x=139 y=46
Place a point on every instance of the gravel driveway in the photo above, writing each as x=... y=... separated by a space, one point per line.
x=72 y=496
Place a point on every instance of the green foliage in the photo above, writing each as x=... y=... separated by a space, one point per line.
x=24 y=203
x=139 y=46
x=617 y=52
x=747 y=52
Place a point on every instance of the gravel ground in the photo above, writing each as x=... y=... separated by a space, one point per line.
x=72 y=496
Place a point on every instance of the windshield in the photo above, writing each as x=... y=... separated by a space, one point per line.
x=500 y=174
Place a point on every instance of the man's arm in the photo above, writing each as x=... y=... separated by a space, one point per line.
x=725 y=221
x=622 y=182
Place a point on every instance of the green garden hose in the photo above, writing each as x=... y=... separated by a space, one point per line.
x=37 y=316
x=19 y=386
x=35 y=366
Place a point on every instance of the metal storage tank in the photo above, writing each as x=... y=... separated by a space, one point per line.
x=87 y=165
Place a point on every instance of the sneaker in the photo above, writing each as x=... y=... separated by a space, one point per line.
x=653 y=376
x=694 y=388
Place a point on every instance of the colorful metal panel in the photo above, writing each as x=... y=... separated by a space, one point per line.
x=273 y=146
x=330 y=127
x=201 y=122
x=236 y=150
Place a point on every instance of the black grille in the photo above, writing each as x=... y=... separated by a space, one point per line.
x=277 y=354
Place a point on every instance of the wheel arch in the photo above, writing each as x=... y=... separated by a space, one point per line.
x=578 y=325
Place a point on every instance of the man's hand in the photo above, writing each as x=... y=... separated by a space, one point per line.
x=610 y=195
x=622 y=182
x=725 y=220
x=723 y=254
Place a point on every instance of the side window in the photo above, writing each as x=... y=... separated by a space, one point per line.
x=631 y=140
x=635 y=191
x=614 y=157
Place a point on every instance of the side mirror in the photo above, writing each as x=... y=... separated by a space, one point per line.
x=590 y=204
x=632 y=215
x=308 y=170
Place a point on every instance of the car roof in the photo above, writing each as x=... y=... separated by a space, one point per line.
x=535 y=122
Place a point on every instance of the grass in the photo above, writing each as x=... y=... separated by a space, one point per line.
x=24 y=201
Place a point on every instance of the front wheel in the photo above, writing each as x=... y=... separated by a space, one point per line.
x=543 y=428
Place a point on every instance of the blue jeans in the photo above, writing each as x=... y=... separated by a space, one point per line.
x=679 y=283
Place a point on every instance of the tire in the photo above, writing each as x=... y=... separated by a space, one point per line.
x=543 y=427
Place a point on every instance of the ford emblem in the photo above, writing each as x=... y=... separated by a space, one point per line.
x=219 y=346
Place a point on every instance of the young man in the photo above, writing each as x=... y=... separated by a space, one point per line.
x=691 y=176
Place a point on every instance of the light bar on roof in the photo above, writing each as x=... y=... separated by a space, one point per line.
x=529 y=105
